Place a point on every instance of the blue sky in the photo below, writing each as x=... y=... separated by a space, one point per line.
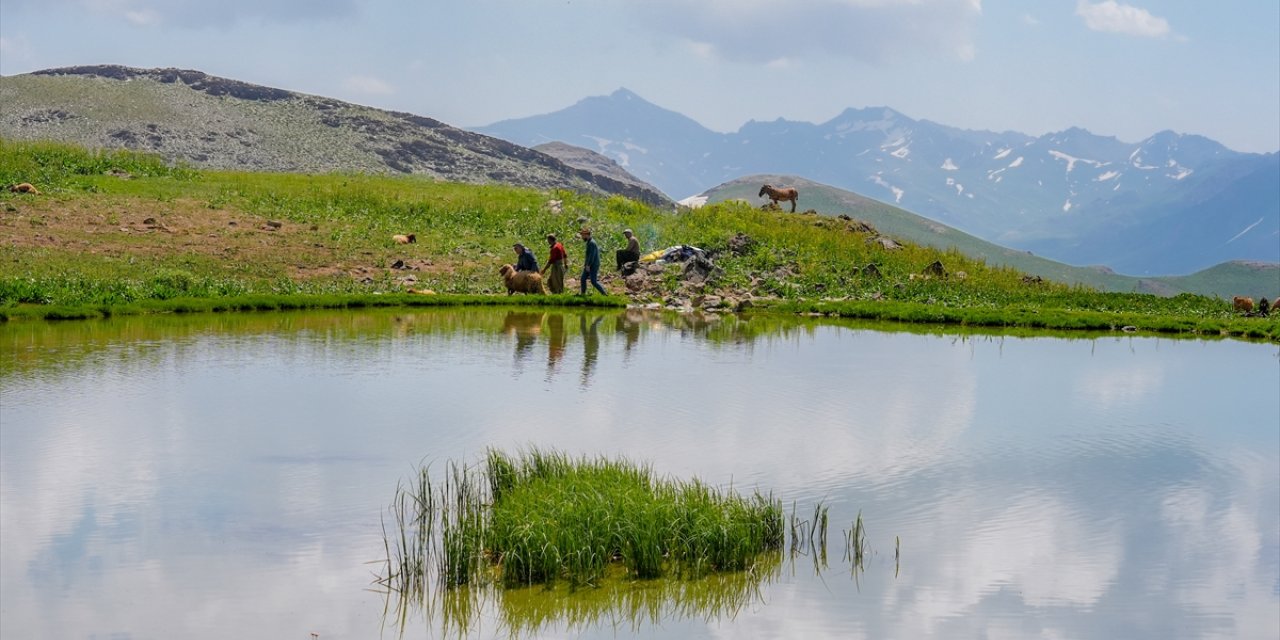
x=1121 y=68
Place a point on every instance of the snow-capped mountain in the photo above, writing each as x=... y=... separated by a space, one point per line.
x=1070 y=195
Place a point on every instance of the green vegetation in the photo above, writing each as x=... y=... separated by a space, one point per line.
x=544 y=517
x=171 y=239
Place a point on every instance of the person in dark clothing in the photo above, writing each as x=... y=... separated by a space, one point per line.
x=631 y=253
x=525 y=260
x=590 y=265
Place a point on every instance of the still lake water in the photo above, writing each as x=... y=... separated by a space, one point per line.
x=226 y=476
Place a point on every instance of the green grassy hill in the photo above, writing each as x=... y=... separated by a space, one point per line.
x=1224 y=281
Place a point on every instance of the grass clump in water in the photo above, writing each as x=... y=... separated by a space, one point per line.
x=543 y=517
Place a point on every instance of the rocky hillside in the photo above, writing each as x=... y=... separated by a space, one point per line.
x=598 y=164
x=211 y=122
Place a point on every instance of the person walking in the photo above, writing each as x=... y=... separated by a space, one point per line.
x=590 y=265
x=557 y=263
x=524 y=258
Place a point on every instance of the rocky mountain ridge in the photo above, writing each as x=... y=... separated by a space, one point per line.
x=211 y=122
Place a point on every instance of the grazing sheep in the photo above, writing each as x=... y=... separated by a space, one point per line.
x=405 y=239
x=25 y=187
x=522 y=281
x=1242 y=304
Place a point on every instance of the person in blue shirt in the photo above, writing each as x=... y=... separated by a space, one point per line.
x=525 y=260
x=590 y=265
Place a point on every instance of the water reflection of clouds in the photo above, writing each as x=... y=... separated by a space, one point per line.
x=252 y=503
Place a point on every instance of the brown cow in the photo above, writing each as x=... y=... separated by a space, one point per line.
x=1243 y=304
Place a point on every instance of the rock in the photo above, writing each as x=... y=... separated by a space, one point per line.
x=698 y=269
x=635 y=282
x=629 y=268
x=887 y=243
x=741 y=244
x=935 y=269
x=275 y=224
x=871 y=271
x=1032 y=280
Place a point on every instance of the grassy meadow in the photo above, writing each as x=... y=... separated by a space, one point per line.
x=116 y=232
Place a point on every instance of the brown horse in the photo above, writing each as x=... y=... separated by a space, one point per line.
x=784 y=194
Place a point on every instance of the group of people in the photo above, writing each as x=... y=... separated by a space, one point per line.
x=558 y=261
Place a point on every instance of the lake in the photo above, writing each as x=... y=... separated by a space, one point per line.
x=221 y=476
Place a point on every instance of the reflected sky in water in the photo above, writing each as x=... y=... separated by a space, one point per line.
x=225 y=476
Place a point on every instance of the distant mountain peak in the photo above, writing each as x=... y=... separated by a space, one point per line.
x=623 y=93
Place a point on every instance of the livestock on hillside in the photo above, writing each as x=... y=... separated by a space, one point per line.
x=783 y=194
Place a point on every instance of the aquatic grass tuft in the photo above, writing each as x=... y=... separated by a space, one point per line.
x=543 y=517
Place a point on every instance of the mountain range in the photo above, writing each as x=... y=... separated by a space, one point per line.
x=1170 y=204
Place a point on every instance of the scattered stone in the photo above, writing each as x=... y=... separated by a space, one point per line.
x=149 y=222
x=887 y=242
x=275 y=224
x=1032 y=280
x=740 y=244
x=871 y=271
x=119 y=173
x=935 y=269
x=1128 y=328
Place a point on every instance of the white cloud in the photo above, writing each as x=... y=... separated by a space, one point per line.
x=367 y=85
x=201 y=13
x=143 y=17
x=762 y=31
x=1112 y=17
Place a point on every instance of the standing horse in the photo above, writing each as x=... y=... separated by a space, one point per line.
x=784 y=194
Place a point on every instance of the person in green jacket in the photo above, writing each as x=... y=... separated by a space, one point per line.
x=590 y=265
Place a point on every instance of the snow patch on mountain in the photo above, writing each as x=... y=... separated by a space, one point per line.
x=897 y=193
x=1246 y=230
x=1016 y=163
x=951 y=182
x=1003 y=152
x=1178 y=171
x=1107 y=176
x=693 y=202
x=1135 y=159
x=1072 y=160
x=901 y=152
x=948 y=165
